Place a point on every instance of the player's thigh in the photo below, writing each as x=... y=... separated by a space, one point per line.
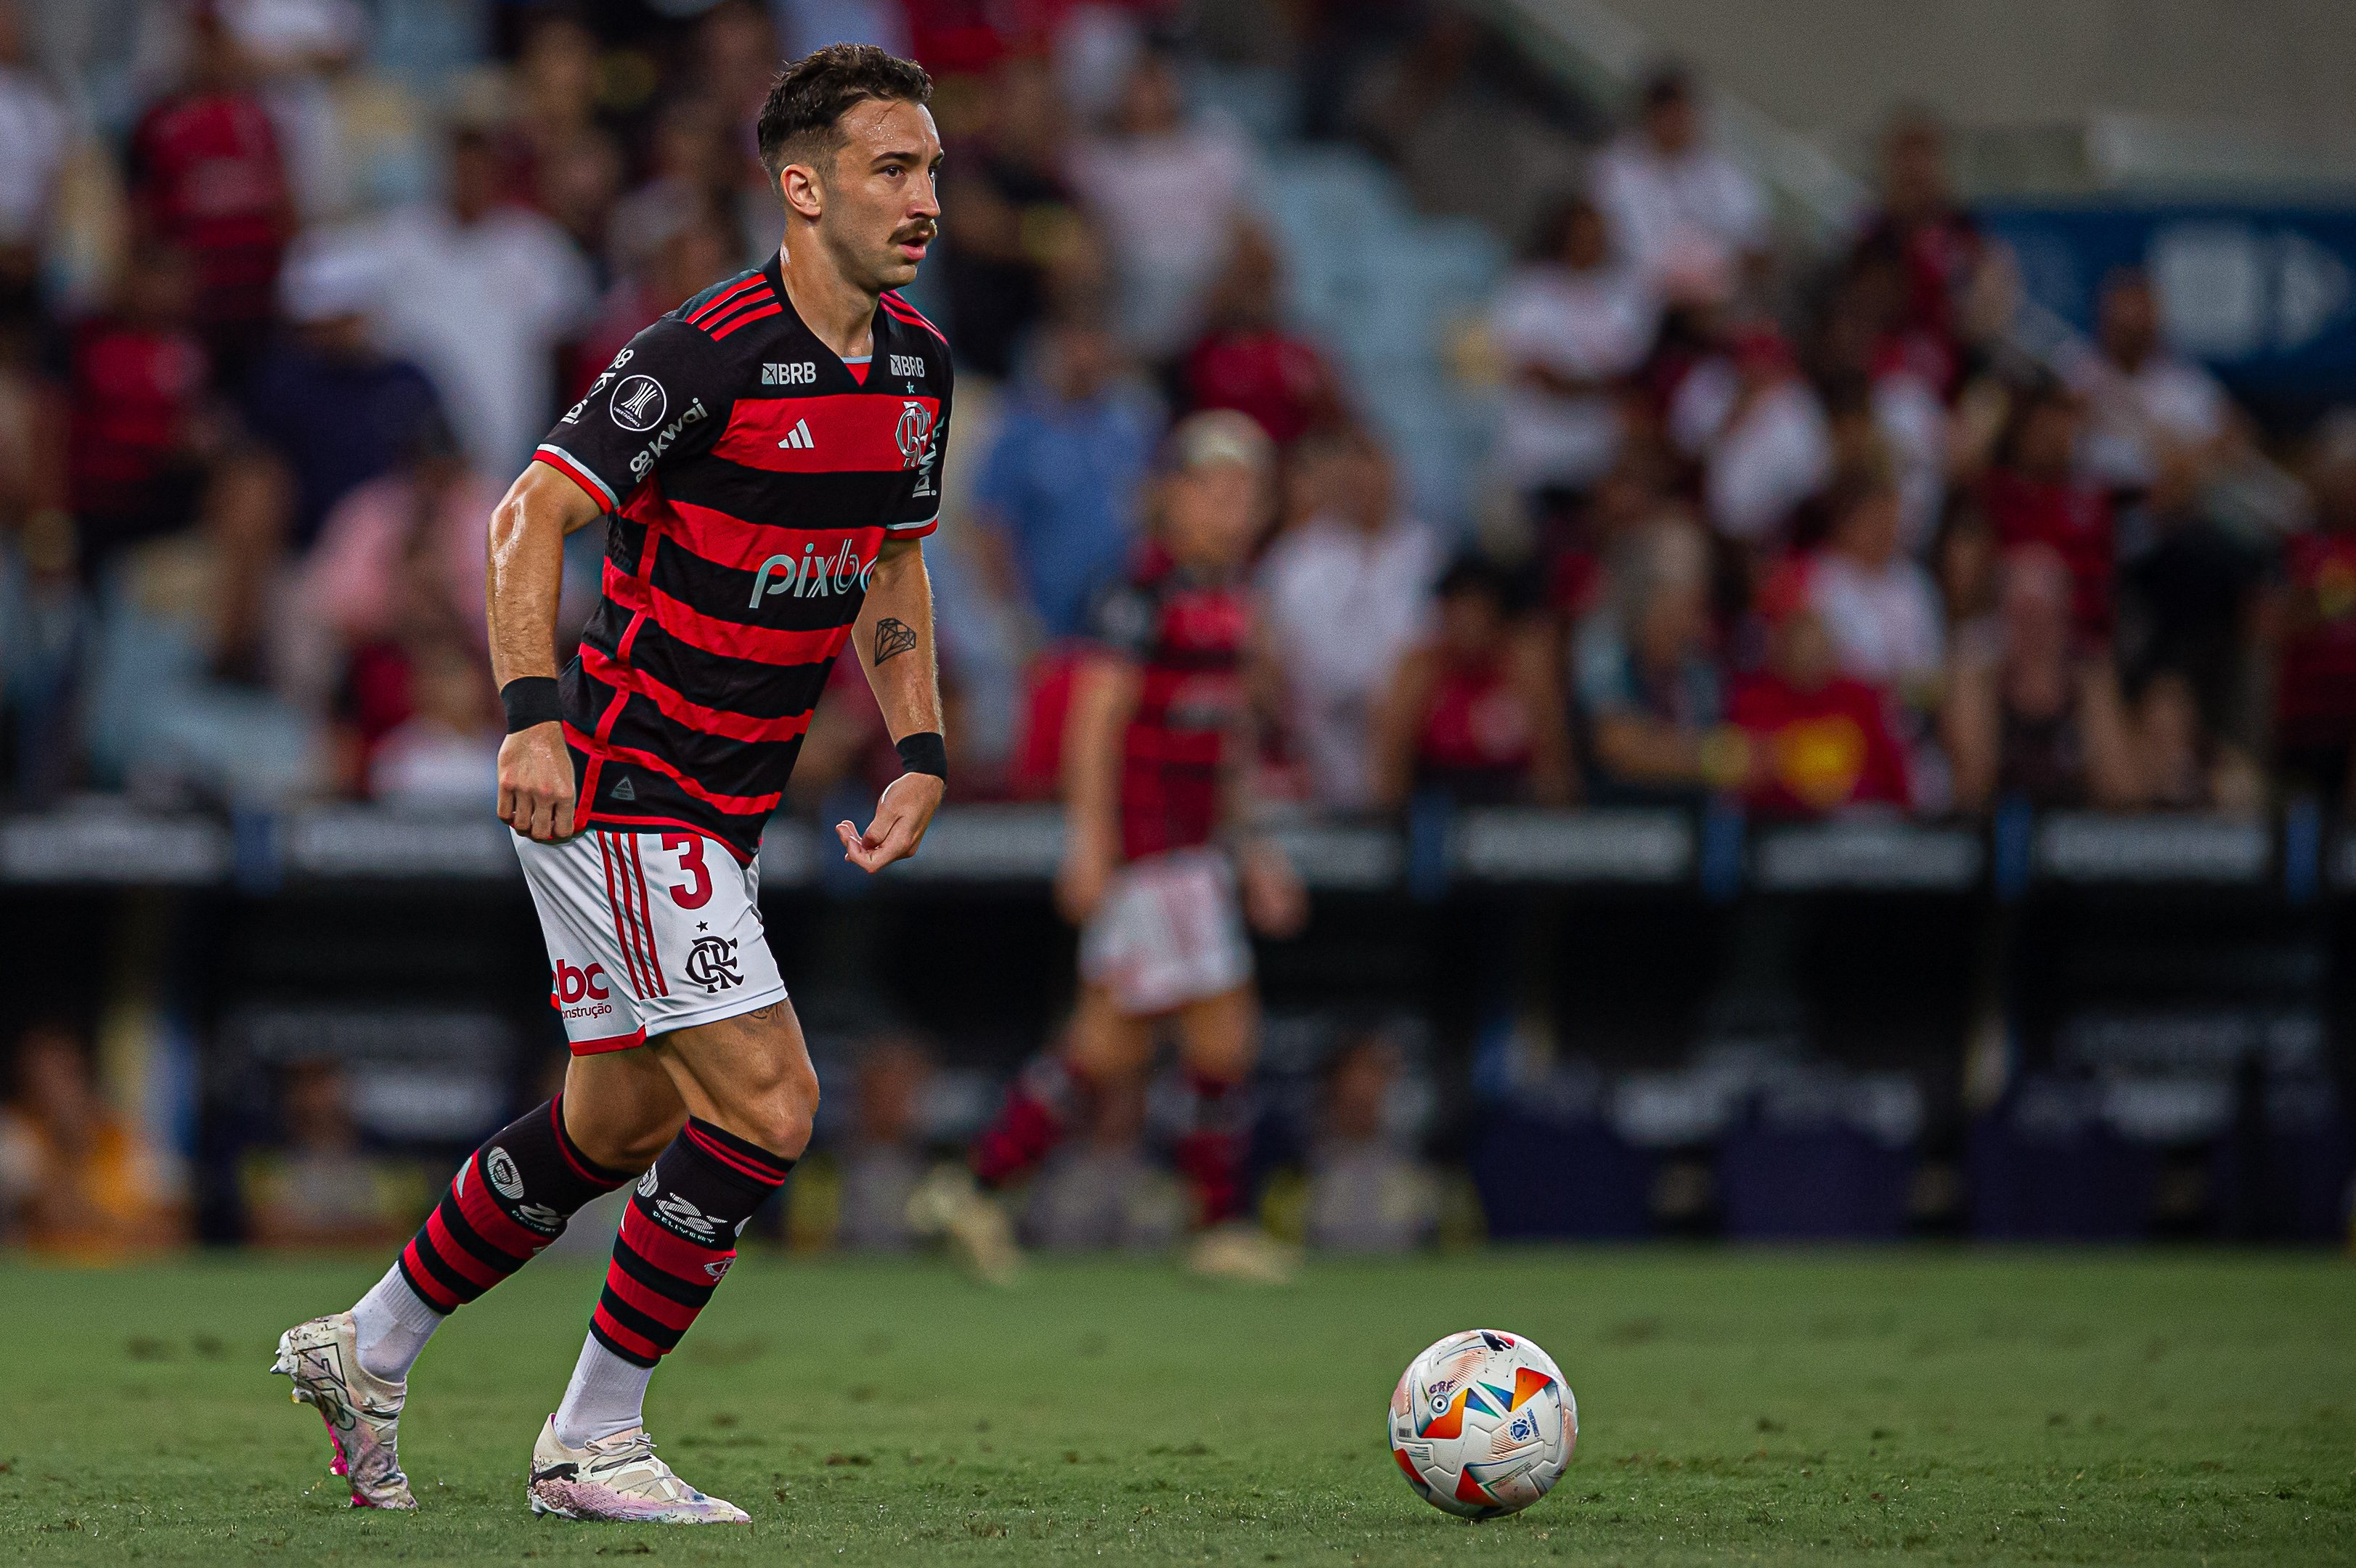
x=1219 y=1035
x=621 y=1107
x=748 y=1073
x=1107 y=1041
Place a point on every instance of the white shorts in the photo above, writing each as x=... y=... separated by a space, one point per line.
x=1167 y=932
x=648 y=932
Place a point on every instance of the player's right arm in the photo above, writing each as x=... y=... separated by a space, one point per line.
x=664 y=396
x=1104 y=697
x=526 y=576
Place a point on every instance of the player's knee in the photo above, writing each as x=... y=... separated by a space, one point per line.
x=782 y=1114
x=636 y=1149
x=627 y=1145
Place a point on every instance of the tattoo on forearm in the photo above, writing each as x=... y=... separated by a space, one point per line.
x=893 y=637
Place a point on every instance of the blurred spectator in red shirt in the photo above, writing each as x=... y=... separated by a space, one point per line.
x=207 y=176
x=1926 y=236
x=1820 y=740
x=2315 y=683
x=2035 y=717
x=138 y=381
x=1246 y=361
x=2034 y=497
x=1476 y=711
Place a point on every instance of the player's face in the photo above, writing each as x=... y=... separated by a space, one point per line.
x=880 y=210
x=1213 y=513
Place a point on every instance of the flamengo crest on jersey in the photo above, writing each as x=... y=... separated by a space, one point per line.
x=750 y=481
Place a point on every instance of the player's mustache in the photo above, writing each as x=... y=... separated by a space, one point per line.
x=923 y=233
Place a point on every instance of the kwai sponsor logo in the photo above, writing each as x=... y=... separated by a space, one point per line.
x=645 y=461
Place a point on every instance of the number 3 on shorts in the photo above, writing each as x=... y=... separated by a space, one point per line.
x=696 y=891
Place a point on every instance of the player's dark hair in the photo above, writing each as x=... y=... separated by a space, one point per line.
x=801 y=119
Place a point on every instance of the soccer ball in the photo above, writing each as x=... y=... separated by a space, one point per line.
x=1482 y=1424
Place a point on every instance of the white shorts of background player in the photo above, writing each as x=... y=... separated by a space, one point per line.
x=1169 y=931
x=648 y=932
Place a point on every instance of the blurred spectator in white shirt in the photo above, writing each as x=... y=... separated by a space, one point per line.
x=32 y=149
x=1880 y=607
x=479 y=294
x=1570 y=326
x=1168 y=189
x=1348 y=591
x=1690 y=217
x=445 y=756
x=1756 y=427
x=2143 y=403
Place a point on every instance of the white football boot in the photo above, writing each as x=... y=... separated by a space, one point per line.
x=618 y=1478
x=362 y=1411
x=947 y=1204
x=1242 y=1253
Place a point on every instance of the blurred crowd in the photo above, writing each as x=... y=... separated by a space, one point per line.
x=288 y=288
x=1336 y=1136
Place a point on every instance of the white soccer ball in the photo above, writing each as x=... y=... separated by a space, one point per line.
x=1483 y=1424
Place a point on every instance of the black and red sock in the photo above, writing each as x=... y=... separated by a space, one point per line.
x=510 y=1200
x=678 y=1238
x=1045 y=1101
x=1212 y=1151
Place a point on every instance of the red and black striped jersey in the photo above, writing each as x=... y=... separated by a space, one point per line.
x=1184 y=632
x=751 y=476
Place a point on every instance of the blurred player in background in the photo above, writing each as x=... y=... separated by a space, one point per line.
x=766 y=457
x=1159 y=850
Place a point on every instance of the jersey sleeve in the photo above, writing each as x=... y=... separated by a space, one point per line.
x=920 y=513
x=664 y=396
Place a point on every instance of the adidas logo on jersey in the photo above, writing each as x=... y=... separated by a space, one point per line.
x=798 y=437
x=623 y=789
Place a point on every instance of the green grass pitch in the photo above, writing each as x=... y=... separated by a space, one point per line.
x=1737 y=1407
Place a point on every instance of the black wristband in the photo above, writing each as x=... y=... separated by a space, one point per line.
x=530 y=699
x=926 y=752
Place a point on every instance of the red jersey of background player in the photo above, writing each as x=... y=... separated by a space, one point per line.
x=1184 y=631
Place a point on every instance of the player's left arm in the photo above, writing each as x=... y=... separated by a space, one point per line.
x=1274 y=901
x=894 y=638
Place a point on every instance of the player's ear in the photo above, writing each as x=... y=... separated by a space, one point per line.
x=799 y=189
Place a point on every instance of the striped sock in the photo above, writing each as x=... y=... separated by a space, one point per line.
x=679 y=1237
x=1046 y=1100
x=1212 y=1151
x=510 y=1199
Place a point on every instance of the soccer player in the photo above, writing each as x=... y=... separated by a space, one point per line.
x=766 y=459
x=1156 y=757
